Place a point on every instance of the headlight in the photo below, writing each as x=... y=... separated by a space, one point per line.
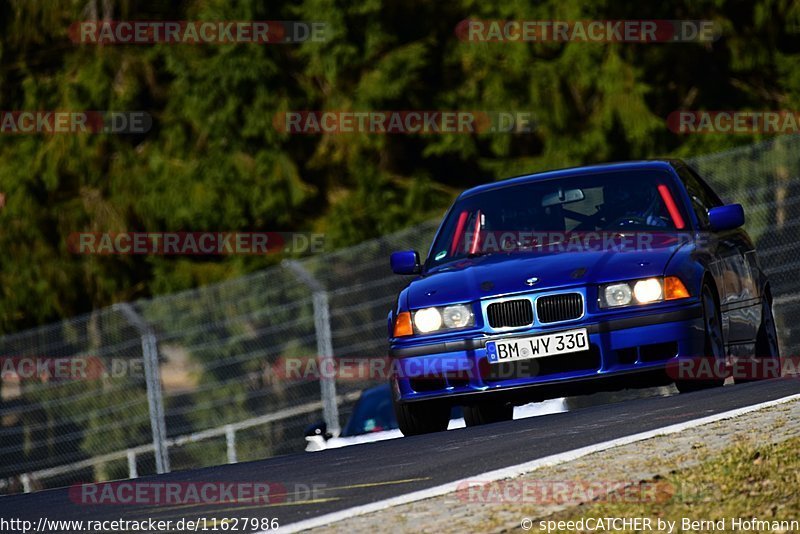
x=443 y=318
x=428 y=320
x=644 y=291
x=457 y=316
x=617 y=295
x=647 y=291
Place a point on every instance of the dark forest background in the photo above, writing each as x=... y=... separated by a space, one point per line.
x=214 y=161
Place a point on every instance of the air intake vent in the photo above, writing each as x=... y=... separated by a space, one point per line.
x=510 y=313
x=555 y=308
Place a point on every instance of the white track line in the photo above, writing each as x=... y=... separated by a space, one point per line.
x=527 y=467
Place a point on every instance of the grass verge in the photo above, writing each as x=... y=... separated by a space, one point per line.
x=726 y=493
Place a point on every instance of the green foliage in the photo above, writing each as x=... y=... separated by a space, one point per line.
x=214 y=161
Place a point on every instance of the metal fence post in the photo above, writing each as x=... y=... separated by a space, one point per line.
x=322 y=327
x=153 y=381
x=132 y=471
x=230 y=442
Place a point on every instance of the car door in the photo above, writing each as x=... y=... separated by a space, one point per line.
x=733 y=265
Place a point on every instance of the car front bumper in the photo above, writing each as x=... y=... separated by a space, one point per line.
x=625 y=352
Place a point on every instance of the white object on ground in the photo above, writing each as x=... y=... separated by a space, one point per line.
x=533 y=409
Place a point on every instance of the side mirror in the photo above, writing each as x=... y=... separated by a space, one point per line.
x=318 y=429
x=405 y=262
x=726 y=217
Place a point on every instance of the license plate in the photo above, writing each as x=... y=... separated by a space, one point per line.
x=525 y=348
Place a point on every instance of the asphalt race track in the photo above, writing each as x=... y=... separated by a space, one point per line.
x=362 y=474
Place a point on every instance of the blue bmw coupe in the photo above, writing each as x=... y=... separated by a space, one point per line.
x=576 y=281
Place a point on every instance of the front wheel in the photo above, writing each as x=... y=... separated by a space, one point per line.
x=422 y=417
x=714 y=344
x=486 y=413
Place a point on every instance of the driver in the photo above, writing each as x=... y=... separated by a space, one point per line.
x=633 y=203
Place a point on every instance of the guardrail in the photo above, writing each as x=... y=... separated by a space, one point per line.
x=228 y=430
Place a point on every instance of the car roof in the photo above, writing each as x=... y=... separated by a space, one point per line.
x=659 y=164
x=377 y=391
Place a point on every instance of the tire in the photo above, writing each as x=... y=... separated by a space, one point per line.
x=766 y=346
x=421 y=417
x=714 y=345
x=486 y=413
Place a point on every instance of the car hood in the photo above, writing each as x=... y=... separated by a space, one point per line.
x=508 y=273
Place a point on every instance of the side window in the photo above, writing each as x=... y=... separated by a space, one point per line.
x=711 y=197
x=701 y=195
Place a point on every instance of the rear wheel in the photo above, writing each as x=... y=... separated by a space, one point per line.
x=767 y=339
x=714 y=344
x=485 y=413
x=422 y=417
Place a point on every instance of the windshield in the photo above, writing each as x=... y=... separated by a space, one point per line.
x=373 y=413
x=527 y=213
